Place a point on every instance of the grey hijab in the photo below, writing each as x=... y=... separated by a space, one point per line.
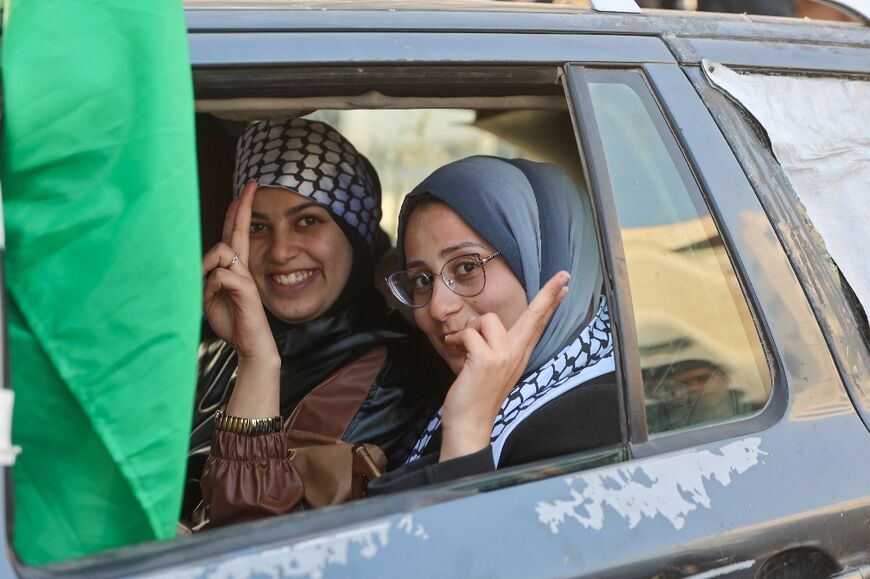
x=540 y=221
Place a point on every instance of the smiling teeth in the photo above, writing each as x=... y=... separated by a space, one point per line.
x=293 y=278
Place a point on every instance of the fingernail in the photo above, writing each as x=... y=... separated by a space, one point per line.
x=566 y=277
x=563 y=293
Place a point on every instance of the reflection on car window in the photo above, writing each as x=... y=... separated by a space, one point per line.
x=701 y=357
x=405 y=145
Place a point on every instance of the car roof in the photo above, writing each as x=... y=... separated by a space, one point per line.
x=576 y=17
x=434 y=5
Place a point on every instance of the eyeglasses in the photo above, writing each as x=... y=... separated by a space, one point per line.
x=464 y=275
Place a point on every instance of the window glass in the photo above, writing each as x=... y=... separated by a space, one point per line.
x=407 y=145
x=701 y=357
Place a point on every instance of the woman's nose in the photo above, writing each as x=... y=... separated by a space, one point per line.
x=282 y=247
x=444 y=302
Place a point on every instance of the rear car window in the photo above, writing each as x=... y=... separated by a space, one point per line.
x=701 y=357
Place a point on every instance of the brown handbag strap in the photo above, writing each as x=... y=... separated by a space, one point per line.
x=329 y=408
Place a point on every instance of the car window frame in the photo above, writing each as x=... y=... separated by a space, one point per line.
x=671 y=98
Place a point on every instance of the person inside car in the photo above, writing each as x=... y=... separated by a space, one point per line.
x=486 y=246
x=301 y=329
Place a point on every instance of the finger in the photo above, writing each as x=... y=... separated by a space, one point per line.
x=218 y=256
x=491 y=329
x=239 y=288
x=473 y=324
x=241 y=237
x=531 y=324
x=229 y=222
x=468 y=339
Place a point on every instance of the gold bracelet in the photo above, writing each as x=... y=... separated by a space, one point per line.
x=246 y=426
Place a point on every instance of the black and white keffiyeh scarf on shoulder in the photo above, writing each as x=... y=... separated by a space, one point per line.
x=541 y=223
x=587 y=357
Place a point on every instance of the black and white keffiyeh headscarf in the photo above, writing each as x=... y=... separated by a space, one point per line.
x=314 y=160
x=542 y=223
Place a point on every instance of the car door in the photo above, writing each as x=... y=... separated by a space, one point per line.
x=698 y=491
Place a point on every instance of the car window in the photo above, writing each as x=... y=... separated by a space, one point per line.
x=406 y=145
x=701 y=357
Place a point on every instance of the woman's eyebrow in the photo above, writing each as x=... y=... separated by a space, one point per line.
x=289 y=212
x=448 y=250
x=303 y=207
x=445 y=252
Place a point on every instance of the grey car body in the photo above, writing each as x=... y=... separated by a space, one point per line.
x=786 y=489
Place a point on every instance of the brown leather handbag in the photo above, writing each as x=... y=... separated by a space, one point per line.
x=334 y=471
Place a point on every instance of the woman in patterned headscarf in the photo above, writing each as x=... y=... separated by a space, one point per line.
x=298 y=240
x=505 y=236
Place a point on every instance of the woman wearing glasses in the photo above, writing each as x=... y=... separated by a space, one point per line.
x=486 y=246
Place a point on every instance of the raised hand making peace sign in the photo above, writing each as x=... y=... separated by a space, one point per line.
x=495 y=359
x=476 y=314
x=230 y=299
x=235 y=312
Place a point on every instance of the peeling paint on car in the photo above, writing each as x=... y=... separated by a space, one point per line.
x=670 y=486
x=406 y=523
x=311 y=558
x=305 y=559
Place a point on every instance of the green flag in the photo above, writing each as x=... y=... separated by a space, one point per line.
x=102 y=269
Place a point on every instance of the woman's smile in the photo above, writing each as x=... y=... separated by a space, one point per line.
x=300 y=258
x=295 y=279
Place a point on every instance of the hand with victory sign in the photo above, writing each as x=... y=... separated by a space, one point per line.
x=235 y=312
x=495 y=359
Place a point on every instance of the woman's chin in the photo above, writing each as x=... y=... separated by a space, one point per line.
x=294 y=314
x=453 y=357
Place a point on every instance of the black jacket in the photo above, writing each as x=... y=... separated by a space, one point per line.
x=584 y=418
